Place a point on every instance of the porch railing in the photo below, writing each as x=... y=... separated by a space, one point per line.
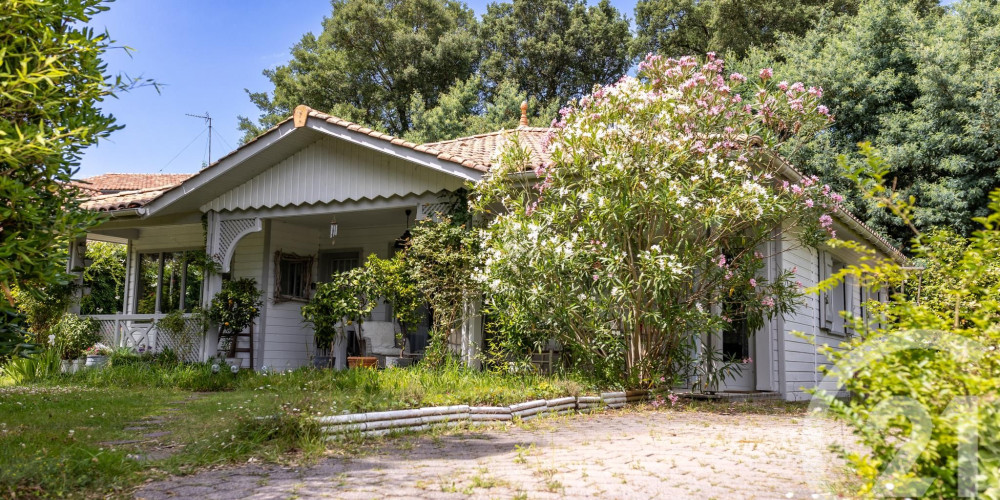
x=139 y=332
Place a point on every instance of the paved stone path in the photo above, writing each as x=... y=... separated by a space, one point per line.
x=644 y=454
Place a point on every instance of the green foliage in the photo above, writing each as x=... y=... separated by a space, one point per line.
x=923 y=369
x=685 y=27
x=42 y=306
x=654 y=208
x=236 y=306
x=919 y=83
x=370 y=60
x=54 y=80
x=444 y=255
x=437 y=74
x=337 y=303
x=13 y=336
x=554 y=50
x=105 y=277
x=73 y=334
x=37 y=366
x=393 y=281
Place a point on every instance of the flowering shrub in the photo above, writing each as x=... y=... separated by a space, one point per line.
x=662 y=193
x=73 y=334
x=97 y=349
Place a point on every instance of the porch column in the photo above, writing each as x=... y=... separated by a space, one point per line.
x=76 y=266
x=212 y=285
x=472 y=334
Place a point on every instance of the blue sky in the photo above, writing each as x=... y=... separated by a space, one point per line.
x=204 y=52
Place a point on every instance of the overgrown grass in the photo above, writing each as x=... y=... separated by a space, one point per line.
x=57 y=434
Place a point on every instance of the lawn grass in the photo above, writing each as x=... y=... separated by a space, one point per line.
x=55 y=433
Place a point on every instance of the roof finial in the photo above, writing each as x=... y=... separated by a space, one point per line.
x=524 y=113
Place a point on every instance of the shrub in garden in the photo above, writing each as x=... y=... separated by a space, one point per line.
x=236 y=306
x=341 y=301
x=924 y=368
x=444 y=256
x=660 y=195
x=74 y=334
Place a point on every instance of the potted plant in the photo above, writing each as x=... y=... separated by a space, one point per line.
x=73 y=334
x=338 y=303
x=392 y=280
x=234 y=309
x=97 y=355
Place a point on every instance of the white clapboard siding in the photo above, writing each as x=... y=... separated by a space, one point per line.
x=287 y=340
x=331 y=170
x=802 y=357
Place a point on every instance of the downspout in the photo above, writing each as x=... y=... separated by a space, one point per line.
x=780 y=324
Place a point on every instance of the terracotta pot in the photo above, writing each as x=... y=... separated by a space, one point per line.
x=362 y=362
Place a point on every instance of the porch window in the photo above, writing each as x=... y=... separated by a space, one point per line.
x=293 y=275
x=168 y=281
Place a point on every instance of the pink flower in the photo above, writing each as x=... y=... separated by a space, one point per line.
x=736 y=77
x=596 y=277
x=809 y=203
x=836 y=197
x=798 y=87
x=722 y=261
x=747 y=360
x=673 y=399
x=821 y=109
x=753 y=282
x=782 y=85
x=767 y=302
x=766 y=73
x=825 y=220
x=816 y=91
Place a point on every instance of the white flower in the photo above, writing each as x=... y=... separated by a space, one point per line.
x=52 y=340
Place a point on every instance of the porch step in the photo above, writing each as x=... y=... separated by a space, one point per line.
x=733 y=396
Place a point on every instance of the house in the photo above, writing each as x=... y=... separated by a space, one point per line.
x=316 y=194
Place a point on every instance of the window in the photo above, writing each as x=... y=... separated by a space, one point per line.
x=835 y=300
x=169 y=281
x=331 y=263
x=293 y=275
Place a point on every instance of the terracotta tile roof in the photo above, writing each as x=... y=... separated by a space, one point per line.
x=480 y=148
x=114 y=183
x=124 y=199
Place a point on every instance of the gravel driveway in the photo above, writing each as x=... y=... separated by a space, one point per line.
x=626 y=454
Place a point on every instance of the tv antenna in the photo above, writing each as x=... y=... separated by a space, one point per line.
x=208 y=119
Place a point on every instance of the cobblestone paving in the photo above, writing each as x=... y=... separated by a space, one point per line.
x=641 y=454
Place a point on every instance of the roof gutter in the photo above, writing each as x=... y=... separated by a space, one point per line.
x=127 y=212
x=845 y=217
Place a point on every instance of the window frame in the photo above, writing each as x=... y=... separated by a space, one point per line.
x=305 y=278
x=160 y=265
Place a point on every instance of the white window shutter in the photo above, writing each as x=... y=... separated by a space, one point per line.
x=826 y=312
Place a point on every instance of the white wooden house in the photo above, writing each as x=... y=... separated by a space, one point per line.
x=276 y=199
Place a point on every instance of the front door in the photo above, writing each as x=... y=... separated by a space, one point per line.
x=738 y=348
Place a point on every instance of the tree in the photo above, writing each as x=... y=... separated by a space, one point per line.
x=681 y=27
x=654 y=208
x=554 y=50
x=463 y=111
x=922 y=87
x=370 y=60
x=53 y=82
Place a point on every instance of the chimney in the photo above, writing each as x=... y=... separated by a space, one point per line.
x=524 y=114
